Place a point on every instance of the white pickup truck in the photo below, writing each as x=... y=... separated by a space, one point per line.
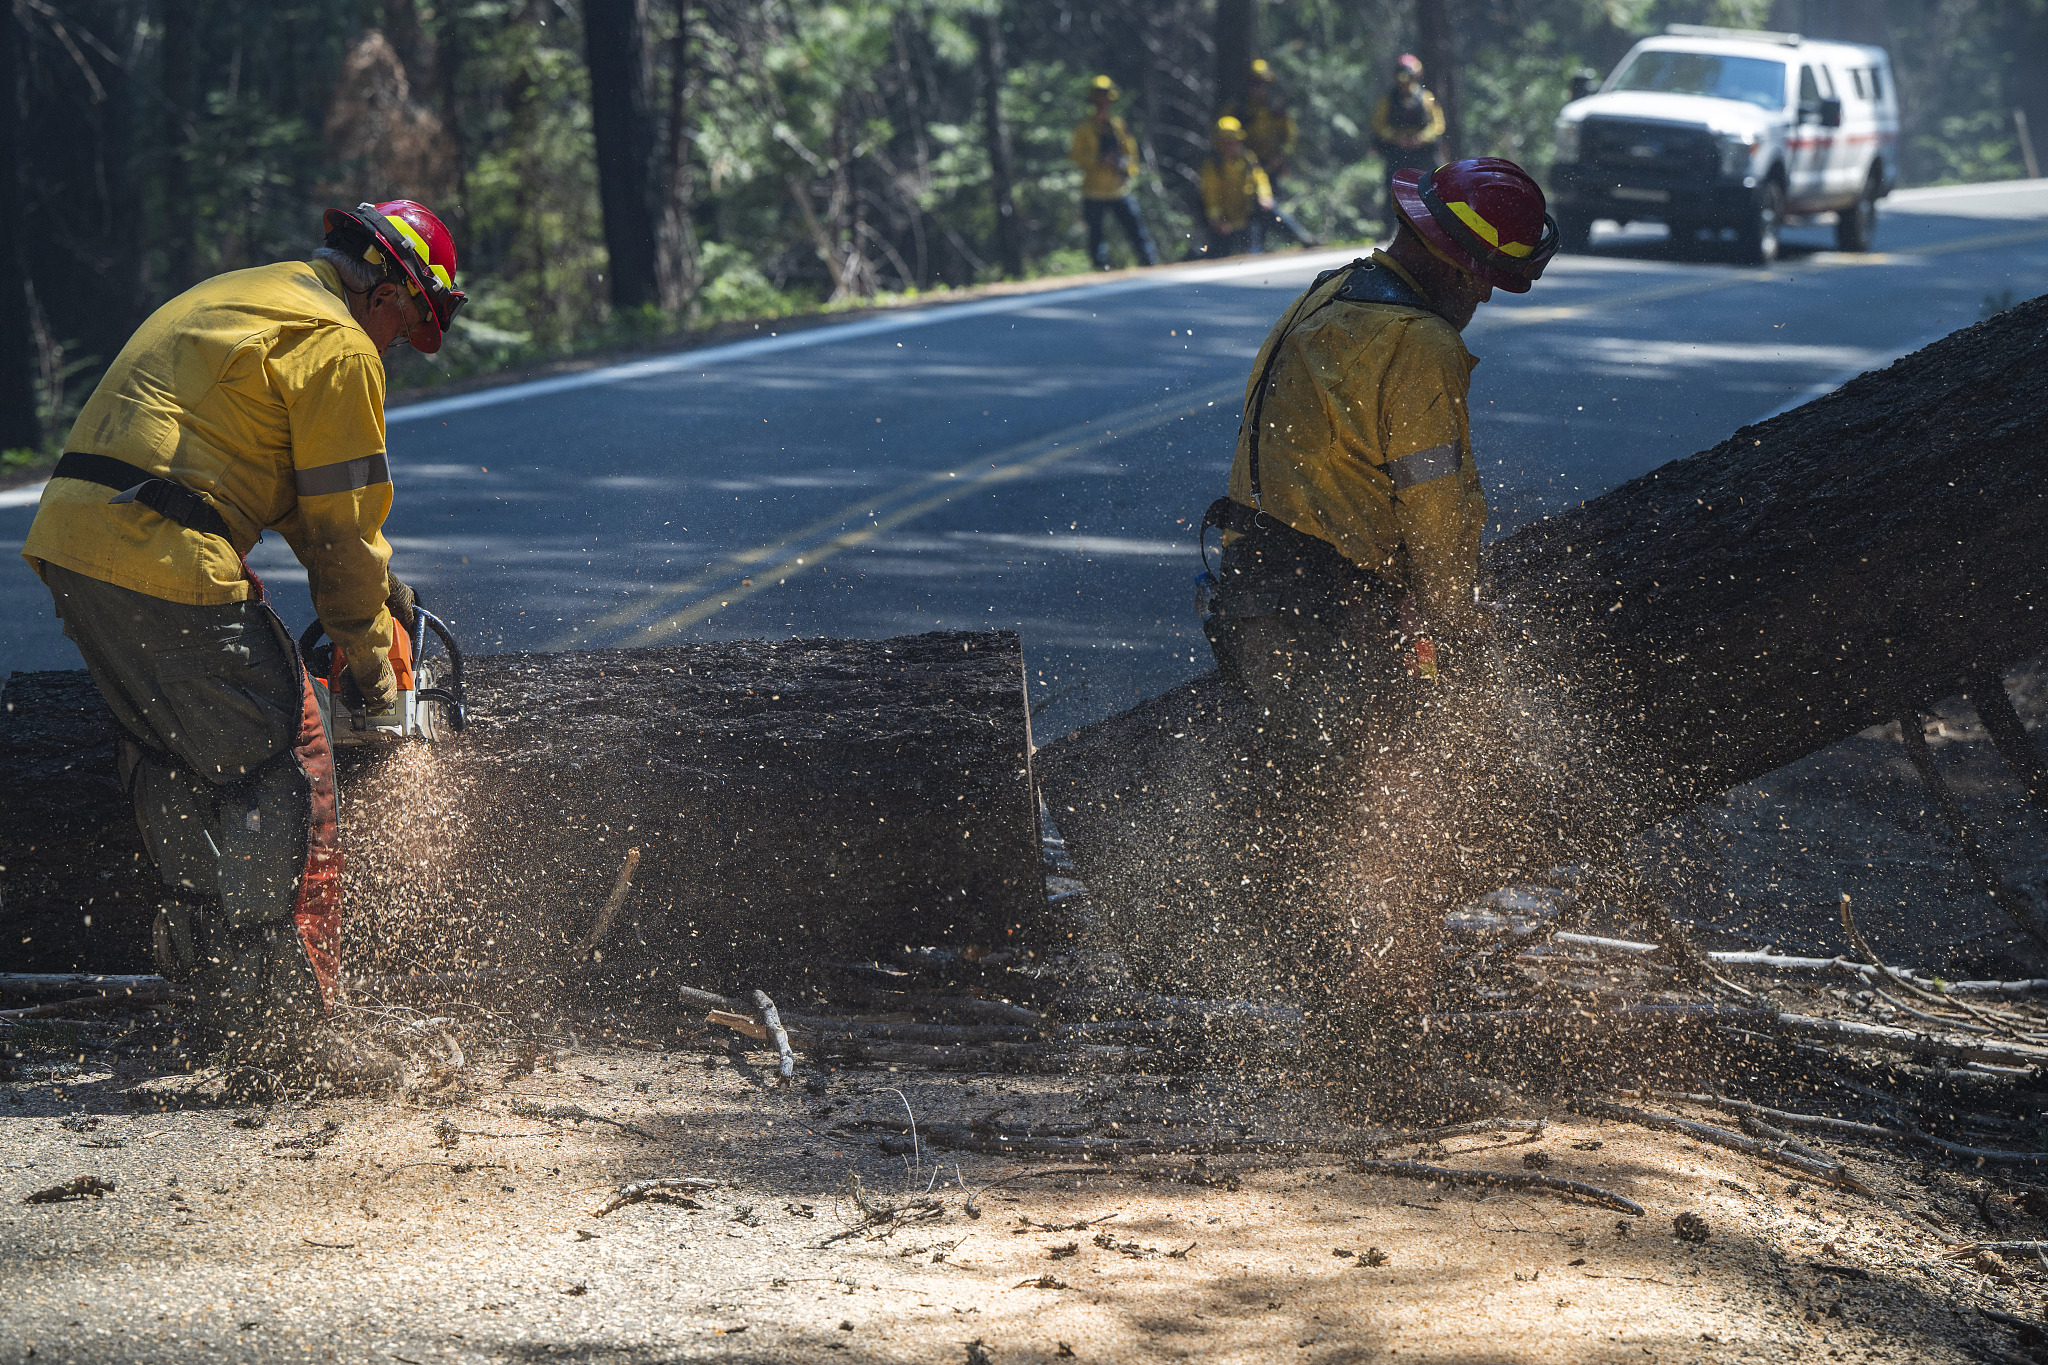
x=1712 y=131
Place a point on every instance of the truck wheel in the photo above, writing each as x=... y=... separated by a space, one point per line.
x=1856 y=226
x=1757 y=238
x=1575 y=232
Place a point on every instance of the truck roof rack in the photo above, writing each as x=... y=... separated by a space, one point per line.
x=1753 y=35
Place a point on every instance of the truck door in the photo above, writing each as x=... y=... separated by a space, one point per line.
x=1811 y=146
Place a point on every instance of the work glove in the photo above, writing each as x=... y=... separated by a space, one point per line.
x=374 y=685
x=403 y=604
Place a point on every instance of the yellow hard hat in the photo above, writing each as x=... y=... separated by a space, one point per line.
x=1262 y=70
x=1229 y=127
x=1103 y=85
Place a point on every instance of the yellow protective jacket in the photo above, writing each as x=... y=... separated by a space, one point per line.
x=1385 y=129
x=1270 y=134
x=1230 y=189
x=1100 y=178
x=257 y=390
x=1366 y=442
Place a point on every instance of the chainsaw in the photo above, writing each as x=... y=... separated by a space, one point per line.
x=424 y=708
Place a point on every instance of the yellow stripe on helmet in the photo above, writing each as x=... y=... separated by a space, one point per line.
x=418 y=244
x=1469 y=216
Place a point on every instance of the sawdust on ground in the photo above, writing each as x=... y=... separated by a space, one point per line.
x=373 y=1239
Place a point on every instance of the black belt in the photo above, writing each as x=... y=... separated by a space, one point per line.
x=165 y=497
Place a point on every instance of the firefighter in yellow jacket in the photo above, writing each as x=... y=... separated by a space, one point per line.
x=1108 y=157
x=254 y=401
x=1237 y=198
x=1347 y=593
x=1407 y=127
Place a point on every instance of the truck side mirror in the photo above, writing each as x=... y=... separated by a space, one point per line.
x=1582 y=84
x=1830 y=113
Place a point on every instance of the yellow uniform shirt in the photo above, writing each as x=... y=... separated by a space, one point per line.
x=1100 y=178
x=1366 y=442
x=259 y=391
x=1269 y=132
x=1230 y=189
x=1386 y=130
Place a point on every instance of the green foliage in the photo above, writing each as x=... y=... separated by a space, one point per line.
x=837 y=149
x=1969 y=147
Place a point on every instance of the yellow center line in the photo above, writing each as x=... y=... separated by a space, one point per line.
x=1116 y=427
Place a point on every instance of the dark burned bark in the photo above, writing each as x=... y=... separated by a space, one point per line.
x=1832 y=568
x=788 y=800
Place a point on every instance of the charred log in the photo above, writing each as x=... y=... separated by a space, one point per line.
x=788 y=801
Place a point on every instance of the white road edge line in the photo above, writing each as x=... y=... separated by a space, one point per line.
x=683 y=361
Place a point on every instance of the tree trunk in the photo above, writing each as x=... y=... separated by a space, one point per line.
x=1236 y=41
x=675 y=259
x=20 y=428
x=988 y=38
x=790 y=801
x=1436 y=25
x=622 y=126
x=181 y=109
x=1833 y=568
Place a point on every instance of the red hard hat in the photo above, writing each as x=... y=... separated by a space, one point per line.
x=1485 y=215
x=410 y=236
x=1408 y=61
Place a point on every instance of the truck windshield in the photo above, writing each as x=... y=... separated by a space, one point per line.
x=1753 y=80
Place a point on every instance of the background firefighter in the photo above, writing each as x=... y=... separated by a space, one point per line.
x=1108 y=157
x=1270 y=134
x=1237 y=199
x=1407 y=129
x=1347 y=605
x=253 y=401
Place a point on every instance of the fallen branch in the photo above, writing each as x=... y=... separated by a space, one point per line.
x=786 y=1068
x=124 y=999
x=1416 y=1170
x=609 y=914
x=670 y=1189
x=1850 y=1128
x=48 y=985
x=2012 y=1055
x=1831 y=1171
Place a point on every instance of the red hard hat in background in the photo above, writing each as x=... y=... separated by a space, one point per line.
x=409 y=236
x=1486 y=216
x=1408 y=61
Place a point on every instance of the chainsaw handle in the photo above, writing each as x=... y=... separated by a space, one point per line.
x=453 y=695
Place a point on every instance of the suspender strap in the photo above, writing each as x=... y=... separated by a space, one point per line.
x=165 y=497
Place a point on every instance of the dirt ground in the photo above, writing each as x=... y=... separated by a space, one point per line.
x=463 y=1230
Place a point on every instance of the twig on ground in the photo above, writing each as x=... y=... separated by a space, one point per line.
x=609 y=914
x=459 y=1167
x=77 y=1187
x=884 y=1216
x=1416 y=1170
x=669 y=1189
x=573 y=1113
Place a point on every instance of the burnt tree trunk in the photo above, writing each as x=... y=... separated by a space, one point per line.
x=991 y=62
x=1824 y=571
x=20 y=428
x=790 y=801
x=1236 y=44
x=622 y=126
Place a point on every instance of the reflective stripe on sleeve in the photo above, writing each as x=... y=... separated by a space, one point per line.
x=1422 y=466
x=348 y=475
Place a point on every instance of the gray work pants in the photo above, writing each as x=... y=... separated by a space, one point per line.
x=210 y=699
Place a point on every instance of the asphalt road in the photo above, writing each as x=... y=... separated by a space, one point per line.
x=1039 y=462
